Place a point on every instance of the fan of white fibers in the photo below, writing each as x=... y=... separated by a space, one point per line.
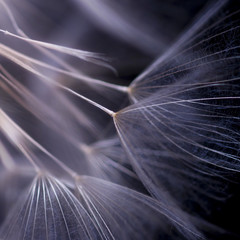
x=124 y=212
x=199 y=58
x=179 y=137
x=102 y=210
x=48 y=211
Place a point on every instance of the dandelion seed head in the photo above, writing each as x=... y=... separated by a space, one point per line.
x=107 y=145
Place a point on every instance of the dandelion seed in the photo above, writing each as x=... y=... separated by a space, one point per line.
x=48 y=211
x=115 y=208
x=150 y=168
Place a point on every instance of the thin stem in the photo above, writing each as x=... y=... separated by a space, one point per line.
x=23 y=36
x=5 y=158
x=106 y=110
x=13 y=125
x=12 y=19
x=7 y=52
x=111 y=113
